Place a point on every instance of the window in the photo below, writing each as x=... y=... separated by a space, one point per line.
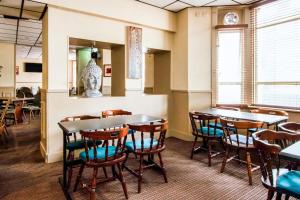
x=277 y=53
x=229 y=66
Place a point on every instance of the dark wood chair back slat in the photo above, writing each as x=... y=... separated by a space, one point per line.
x=201 y=122
x=157 y=133
x=107 y=136
x=109 y=113
x=235 y=130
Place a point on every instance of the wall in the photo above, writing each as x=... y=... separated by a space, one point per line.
x=56 y=103
x=191 y=72
x=7 y=60
x=28 y=79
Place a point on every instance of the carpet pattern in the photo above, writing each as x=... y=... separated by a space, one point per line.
x=24 y=175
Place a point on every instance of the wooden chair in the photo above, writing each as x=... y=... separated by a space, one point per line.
x=269 y=112
x=74 y=143
x=290 y=127
x=15 y=114
x=238 y=137
x=108 y=155
x=278 y=180
x=109 y=113
x=149 y=145
x=219 y=125
x=205 y=126
x=3 y=128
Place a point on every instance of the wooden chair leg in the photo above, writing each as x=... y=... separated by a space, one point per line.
x=270 y=194
x=225 y=159
x=194 y=144
x=140 y=175
x=105 y=172
x=78 y=177
x=209 y=154
x=287 y=197
x=70 y=169
x=113 y=170
x=162 y=167
x=278 y=196
x=124 y=162
x=122 y=180
x=94 y=184
x=249 y=168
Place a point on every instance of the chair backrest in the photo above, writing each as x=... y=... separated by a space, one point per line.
x=108 y=113
x=270 y=111
x=228 y=108
x=75 y=118
x=113 y=137
x=235 y=130
x=4 y=111
x=157 y=134
x=291 y=127
x=265 y=142
x=201 y=122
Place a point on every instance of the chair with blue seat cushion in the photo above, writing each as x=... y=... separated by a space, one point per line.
x=110 y=154
x=269 y=111
x=74 y=143
x=205 y=126
x=151 y=142
x=279 y=180
x=219 y=125
x=238 y=137
x=117 y=112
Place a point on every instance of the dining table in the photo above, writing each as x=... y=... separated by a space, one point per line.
x=70 y=127
x=291 y=153
x=241 y=115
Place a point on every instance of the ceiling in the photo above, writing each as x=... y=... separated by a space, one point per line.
x=178 y=5
x=20 y=23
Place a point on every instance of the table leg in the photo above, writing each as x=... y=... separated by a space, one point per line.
x=63 y=180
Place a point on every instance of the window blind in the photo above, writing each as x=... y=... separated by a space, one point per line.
x=229 y=66
x=276 y=53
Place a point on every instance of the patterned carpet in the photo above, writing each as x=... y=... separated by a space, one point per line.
x=24 y=175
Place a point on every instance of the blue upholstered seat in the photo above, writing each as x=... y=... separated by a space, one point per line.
x=289 y=182
x=242 y=139
x=138 y=144
x=79 y=144
x=204 y=130
x=100 y=153
x=213 y=124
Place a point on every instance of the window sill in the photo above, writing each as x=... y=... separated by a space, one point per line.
x=275 y=108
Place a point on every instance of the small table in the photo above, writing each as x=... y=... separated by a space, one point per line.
x=268 y=119
x=93 y=124
x=291 y=153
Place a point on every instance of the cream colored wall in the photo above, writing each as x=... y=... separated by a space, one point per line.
x=127 y=11
x=56 y=103
x=7 y=60
x=28 y=79
x=149 y=70
x=199 y=49
x=179 y=68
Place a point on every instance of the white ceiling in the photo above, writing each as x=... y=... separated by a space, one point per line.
x=20 y=23
x=178 y=5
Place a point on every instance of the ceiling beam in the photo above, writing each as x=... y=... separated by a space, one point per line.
x=21 y=13
x=37 y=39
x=43 y=13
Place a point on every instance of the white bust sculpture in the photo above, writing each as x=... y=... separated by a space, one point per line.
x=91 y=77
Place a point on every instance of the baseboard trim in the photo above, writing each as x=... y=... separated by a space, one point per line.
x=180 y=135
x=54 y=157
x=43 y=151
